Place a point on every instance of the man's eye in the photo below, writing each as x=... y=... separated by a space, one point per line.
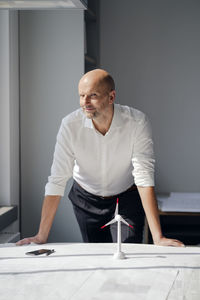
x=93 y=95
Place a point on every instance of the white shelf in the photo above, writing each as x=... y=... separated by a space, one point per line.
x=8 y=214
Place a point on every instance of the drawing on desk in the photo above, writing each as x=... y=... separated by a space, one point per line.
x=119 y=254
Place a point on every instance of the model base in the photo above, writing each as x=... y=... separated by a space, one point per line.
x=119 y=255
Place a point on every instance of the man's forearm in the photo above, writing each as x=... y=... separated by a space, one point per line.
x=149 y=203
x=49 y=209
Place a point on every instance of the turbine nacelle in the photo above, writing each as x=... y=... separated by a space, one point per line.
x=118 y=218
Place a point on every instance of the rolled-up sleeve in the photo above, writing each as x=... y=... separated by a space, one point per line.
x=63 y=163
x=143 y=154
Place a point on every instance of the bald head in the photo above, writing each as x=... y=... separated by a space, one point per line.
x=97 y=95
x=99 y=78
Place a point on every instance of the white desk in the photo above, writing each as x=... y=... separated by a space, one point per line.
x=88 y=271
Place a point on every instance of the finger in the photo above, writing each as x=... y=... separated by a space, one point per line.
x=175 y=243
x=179 y=244
x=171 y=242
x=23 y=242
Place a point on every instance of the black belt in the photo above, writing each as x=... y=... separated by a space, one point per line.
x=131 y=188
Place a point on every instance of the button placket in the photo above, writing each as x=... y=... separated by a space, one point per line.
x=103 y=164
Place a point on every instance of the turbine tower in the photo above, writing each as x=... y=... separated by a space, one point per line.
x=119 y=254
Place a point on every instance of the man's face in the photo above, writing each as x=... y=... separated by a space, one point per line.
x=95 y=98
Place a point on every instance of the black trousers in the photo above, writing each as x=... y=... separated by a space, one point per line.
x=92 y=212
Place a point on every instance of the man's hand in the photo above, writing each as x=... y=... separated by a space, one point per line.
x=149 y=203
x=163 y=241
x=49 y=208
x=34 y=239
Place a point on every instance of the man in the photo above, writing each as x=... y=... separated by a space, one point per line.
x=107 y=148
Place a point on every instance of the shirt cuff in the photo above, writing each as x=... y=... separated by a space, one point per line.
x=54 y=189
x=144 y=179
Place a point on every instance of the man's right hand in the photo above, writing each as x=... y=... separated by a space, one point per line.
x=50 y=205
x=34 y=239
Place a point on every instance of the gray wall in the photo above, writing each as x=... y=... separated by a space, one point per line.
x=4 y=110
x=152 y=48
x=9 y=112
x=51 y=64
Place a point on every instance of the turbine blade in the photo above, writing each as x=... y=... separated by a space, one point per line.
x=112 y=221
x=126 y=223
x=116 y=209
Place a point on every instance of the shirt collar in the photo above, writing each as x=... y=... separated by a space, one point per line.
x=117 y=120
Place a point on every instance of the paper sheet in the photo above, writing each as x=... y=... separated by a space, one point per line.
x=138 y=285
x=88 y=271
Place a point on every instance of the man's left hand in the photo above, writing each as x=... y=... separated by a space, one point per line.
x=163 y=241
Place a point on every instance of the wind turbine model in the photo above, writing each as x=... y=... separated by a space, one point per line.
x=119 y=254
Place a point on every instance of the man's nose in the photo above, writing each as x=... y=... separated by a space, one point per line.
x=86 y=99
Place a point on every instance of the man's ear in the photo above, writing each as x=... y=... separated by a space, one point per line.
x=112 y=96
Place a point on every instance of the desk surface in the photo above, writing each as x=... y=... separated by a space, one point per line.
x=88 y=271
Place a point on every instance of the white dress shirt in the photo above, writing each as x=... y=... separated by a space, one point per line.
x=103 y=164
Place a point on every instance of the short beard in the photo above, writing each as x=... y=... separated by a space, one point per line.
x=91 y=115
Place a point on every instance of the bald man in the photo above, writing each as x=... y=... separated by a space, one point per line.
x=107 y=148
